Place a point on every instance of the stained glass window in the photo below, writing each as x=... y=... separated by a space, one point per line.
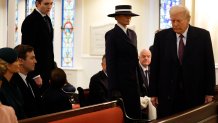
x=30 y=6
x=165 y=6
x=67 y=46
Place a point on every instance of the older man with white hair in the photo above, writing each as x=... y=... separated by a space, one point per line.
x=182 y=73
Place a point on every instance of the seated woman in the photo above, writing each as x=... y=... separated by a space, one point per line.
x=10 y=94
x=54 y=99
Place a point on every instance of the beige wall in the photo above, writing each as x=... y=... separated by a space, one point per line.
x=3 y=23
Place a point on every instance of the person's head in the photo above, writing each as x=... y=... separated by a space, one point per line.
x=26 y=57
x=58 y=78
x=180 y=18
x=145 y=57
x=9 y=63
x=44 y=6
x=103 y=63
x=123 y=14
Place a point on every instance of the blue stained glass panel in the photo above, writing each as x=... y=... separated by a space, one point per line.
x=67 y=45
x=30 y=5
x=165 y=6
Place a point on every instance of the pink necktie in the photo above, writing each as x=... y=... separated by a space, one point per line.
x=181 y=48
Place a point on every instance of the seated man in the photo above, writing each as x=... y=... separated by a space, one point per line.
x=148 y=109
x=27 y=86
x=98 y=87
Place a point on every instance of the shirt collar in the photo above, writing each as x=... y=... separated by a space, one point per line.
x=184 y=34
x=23 y=76
x=143 y=68
x=122 y=27
x=43 y=15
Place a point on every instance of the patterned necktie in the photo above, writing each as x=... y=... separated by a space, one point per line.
x=29 y=87
x=181 y=49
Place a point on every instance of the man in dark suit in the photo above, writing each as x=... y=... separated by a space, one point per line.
x=148 y=110
x=27 y=85
x=144 y=62
x=37 y=32
x=122 y=61
x=182 y=73
x=98 y=86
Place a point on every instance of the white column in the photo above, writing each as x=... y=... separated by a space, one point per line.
x=11 y=23
x=3 y=23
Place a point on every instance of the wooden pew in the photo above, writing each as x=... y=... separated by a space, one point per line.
x=70 y=113
x=108 y=112
x=203 y=114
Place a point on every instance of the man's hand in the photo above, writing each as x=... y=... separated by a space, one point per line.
x=38 y=81
x=154 y=101
x=208 y=98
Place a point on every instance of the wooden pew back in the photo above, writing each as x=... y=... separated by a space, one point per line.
x=202 y=114
x=110 y=115
x=95 y=112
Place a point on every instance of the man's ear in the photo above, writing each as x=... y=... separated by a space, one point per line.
x=37 y=3
x=21 y=60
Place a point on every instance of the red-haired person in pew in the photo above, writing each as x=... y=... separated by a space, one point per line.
x=98 y=86
x=54 y=99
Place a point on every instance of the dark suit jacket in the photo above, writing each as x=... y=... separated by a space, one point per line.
x=122 y=67
x=194 y=79
x=10 y=95
x=35 y=32
x=144 y=88
x=98 y=88
x=31 y=106
x=55 y=100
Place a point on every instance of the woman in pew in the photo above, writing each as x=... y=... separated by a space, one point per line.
x=54 y=99
x=10 y=94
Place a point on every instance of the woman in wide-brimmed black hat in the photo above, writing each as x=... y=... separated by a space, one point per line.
x=122 y=61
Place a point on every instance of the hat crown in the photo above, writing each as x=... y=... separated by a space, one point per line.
x=8 y=54
x=124 y=7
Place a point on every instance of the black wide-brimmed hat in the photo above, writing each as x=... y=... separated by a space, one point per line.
x=123 y=10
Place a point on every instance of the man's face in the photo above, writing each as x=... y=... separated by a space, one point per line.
x=123 y=19
x=179 y=22
x=28 y=64
x=45 y=6
x=145 y=58
x=103 y=64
